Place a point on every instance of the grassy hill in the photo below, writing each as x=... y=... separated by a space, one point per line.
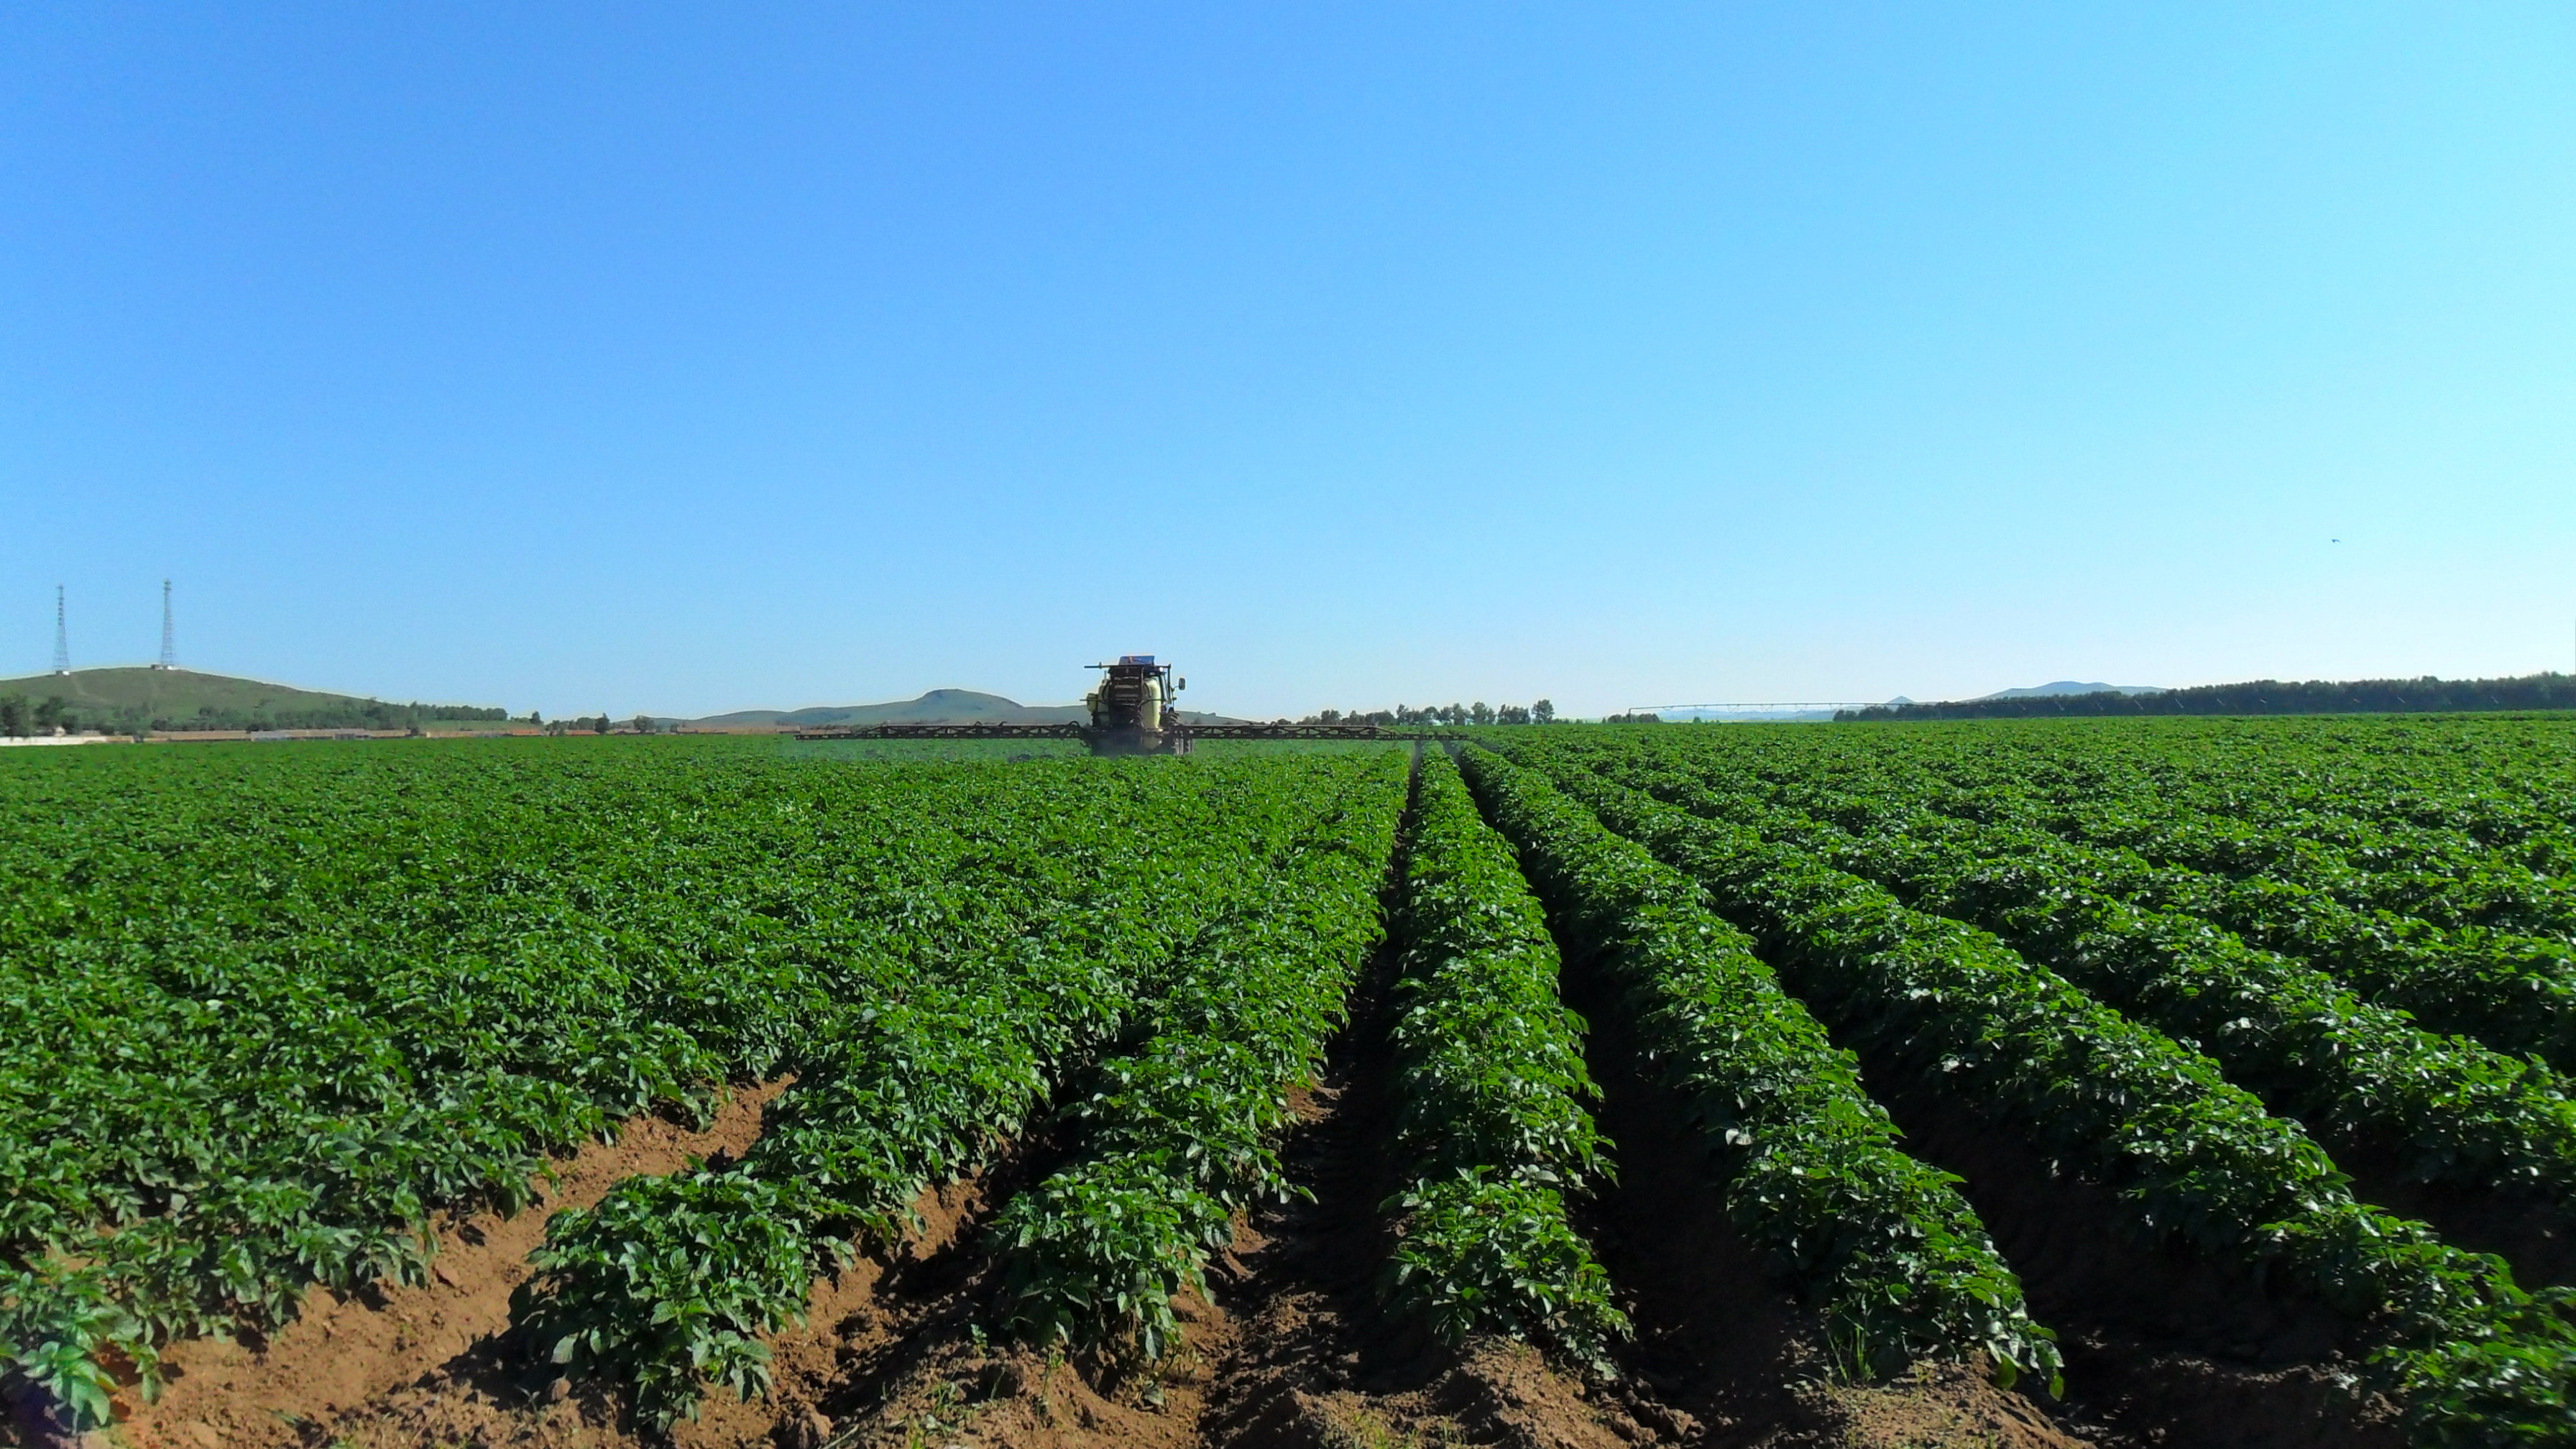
x=125 y=699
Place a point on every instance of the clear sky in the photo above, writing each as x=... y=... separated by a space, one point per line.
x=640 y=358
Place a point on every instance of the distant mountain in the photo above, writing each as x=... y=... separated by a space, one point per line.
x=135 y=697
x=2066 y=686
x=939 y=706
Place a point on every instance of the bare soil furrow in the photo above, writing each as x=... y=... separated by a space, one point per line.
x=2162 y=1347
x=2527 y=1230
x=1292 y=1351
x=1728 y=1355
x=343 y=1353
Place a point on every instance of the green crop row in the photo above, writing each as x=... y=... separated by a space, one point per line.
x=1179 y=1134
x=2516 y=993
x=2457 y=1111
x=263 y=1013
x=2378 y=789
x=2430 y=798
x=1807 y=1162
x=2477 y=1359
x=2420 y=903
x=259 y=1017
x=1490 y=1086
x=2329 y=811
x=670 y=1282
x=2442 y=877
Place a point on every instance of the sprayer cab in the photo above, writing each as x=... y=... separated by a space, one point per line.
x=1131 y=705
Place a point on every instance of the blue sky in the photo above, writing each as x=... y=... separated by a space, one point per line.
x=638 y=358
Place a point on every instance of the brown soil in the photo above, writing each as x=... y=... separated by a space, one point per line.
x=2529 y=1232
x=890 y=1353
x=1296 y=1351
x=1293 y=1351
x=1298 y=1354
x=491 y=1397
x=341 y=1353
x=2162 y=1348
x=1321 y=1362
x=1721 y=1343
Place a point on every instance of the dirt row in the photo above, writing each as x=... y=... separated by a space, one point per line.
x=1294 y=1349
x=2161 y=1347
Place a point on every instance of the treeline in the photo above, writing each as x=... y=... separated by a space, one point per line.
x=2262 y=696
x=600 y=724
x=1479 y=713
x=22 y=716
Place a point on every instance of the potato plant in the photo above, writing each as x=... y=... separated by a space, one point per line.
x=2477 y=1358
x=261 y=1015
x=926 y=1083
x=1176 y=1135
x=2286 y=851
x=2457 y=1111
x=1808 y=1163
x=1491 y=1089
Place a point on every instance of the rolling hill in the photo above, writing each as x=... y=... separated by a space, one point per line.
x=2062 y=686
x=130 y=698
x=939 y=706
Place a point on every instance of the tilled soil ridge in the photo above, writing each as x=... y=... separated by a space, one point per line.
x=1724 y=1354
x=2162 y=1347
x=343 y=1353
x=1293 y=1351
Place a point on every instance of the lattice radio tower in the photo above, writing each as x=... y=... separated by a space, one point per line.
x=62 y=637
x=169 y=644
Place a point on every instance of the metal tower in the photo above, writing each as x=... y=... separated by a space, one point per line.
x=62 y=638
x=169 y=646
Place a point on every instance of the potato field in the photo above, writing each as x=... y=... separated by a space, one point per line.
x=2122 y=1082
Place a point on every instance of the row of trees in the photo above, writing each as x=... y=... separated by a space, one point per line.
x=600 y=724
x=19 y=718
x=2264 y=696
x=1479 y=713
